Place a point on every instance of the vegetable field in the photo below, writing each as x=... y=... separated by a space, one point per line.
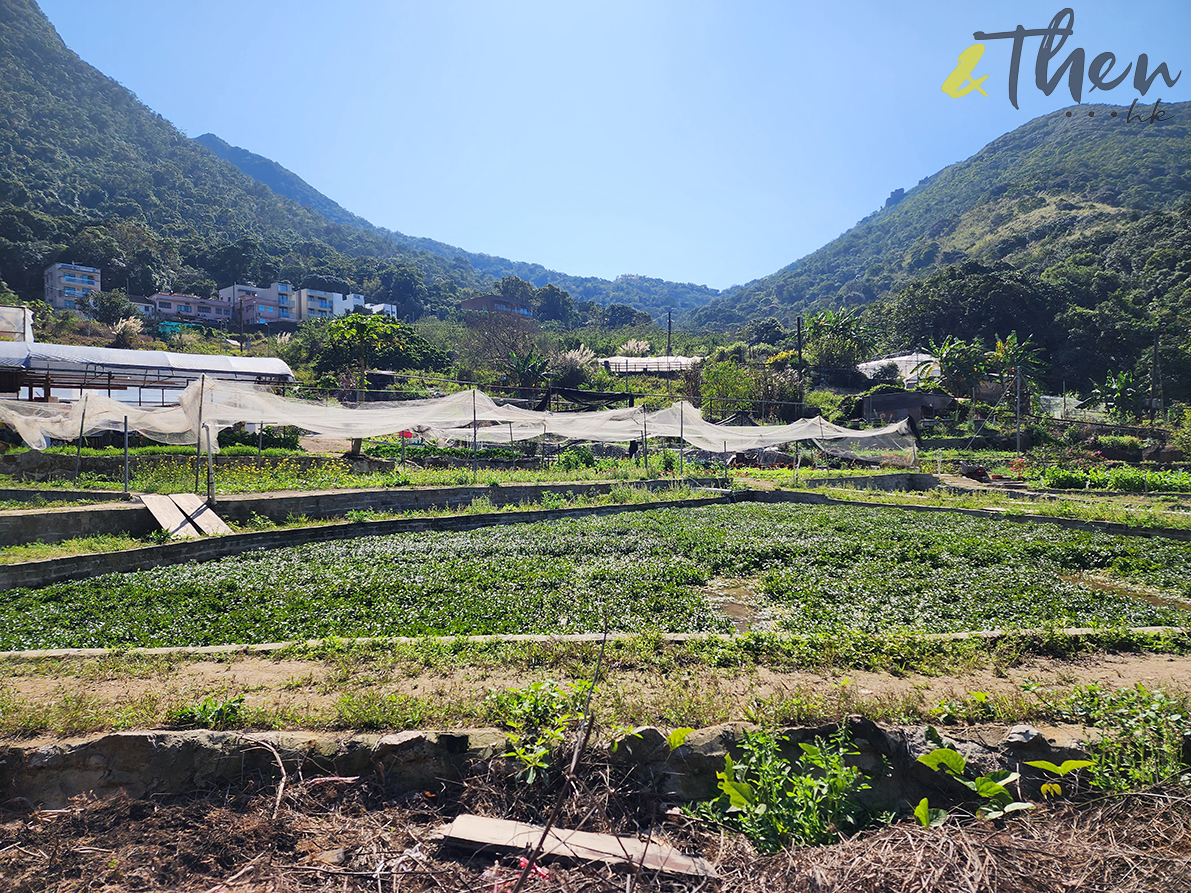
x=812 y=569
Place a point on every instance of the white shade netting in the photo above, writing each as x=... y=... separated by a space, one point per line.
x=465 y=416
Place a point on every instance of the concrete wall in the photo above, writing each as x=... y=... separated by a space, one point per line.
x=337 y=503
x=55 y=570
x=895 y=481
x=58 y=524
x=53 y=525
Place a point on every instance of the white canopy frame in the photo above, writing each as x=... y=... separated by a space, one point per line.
x=469 y=416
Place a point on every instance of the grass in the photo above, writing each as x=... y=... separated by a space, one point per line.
x=113 y=542
x=831 y=570
x=38 y=503
x=648 y=682
x=292 y=471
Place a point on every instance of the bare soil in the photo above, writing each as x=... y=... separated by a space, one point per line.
x=306 y=685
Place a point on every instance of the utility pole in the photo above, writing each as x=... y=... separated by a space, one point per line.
x=669 y=364
x=1017 y=377
x=800 y=344
x=1153 y=378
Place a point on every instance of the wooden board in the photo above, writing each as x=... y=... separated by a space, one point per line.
x=168 y=515
x=475 y=832
x=199 y=513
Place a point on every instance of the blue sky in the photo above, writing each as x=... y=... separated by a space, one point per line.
x=706 y=142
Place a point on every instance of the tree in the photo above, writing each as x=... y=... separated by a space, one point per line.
x=726 y=387
x=516 y=290
x=961 y=364
x=528 y=368
x=361 y=341
x=109 y=307
x=765 y=331
x=1121 y=396
x=552 y=303
x=618 y=316
x=1010 y=358
x=403 y=286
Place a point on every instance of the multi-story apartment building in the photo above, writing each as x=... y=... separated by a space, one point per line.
x=70 y=286
x=253 y=305
x=313 y=303
x=345 y=304
x=193 y=308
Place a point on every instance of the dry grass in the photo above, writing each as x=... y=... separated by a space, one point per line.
x=354 y=835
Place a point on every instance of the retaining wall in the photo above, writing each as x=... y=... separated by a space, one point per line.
x=53 y=525
x=56 y=525
x=144 y=764
x=907 y=480
x=56 y=570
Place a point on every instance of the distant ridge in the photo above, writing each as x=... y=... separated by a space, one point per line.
x=1015 y=200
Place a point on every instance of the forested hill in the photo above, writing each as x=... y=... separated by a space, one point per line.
x=89 y=174
x=653 y=295
x=1019 y=200
x=280 y=180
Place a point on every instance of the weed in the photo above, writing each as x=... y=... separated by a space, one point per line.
x=999 y=802
x=208 y=713
x=775 y=803
x=538 y=717
x=1144 y=734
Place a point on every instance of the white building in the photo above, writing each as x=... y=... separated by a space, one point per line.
x=70 y=286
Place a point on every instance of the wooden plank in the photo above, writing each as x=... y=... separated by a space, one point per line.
x=168 y=515
x=475 y=832
x=199 y=513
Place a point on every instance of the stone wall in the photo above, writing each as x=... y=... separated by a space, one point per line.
x=143 y=764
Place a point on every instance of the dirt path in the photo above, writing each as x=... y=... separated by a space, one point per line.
x=309 y=691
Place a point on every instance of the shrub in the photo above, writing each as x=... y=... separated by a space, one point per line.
x=1127 y=443
x=576 y=457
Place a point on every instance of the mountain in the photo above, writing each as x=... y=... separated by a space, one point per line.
x=655 y=296
x=91 y=175
x=1017 y=201
x=283 y=182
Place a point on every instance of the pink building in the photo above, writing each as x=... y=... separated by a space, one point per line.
x=192 y=308
x=254 y=305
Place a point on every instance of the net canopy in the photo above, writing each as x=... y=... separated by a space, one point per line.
x=466 y=416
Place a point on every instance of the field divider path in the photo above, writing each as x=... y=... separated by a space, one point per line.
x=545 y=638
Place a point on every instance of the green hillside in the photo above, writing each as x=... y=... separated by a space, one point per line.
x=1018 y=200
x=89 y=174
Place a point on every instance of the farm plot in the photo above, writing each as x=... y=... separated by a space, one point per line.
x=814 y=569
